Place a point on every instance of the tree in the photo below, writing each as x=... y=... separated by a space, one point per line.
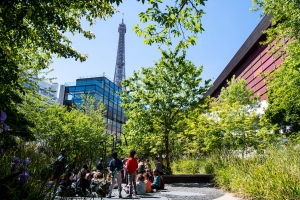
x=239 y=117
x=231 y=123
x=283 y=84
x=79 y=131
x=155 y=99
x=283 y=99
x=31 y=33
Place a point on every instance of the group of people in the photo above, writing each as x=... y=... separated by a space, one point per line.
x=83 y=182
x=139 y=176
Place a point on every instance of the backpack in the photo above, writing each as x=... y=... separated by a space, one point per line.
x=162 y=183
x=112 y=165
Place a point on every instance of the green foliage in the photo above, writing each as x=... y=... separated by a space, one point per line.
x=271 y=175
x=285 y=21
x=283 y=98
x=36 y=187
x=157 y=98
x=80 y=131
x=209 y=168
x=32 y=32
x=283 y=86
x=237 y=92
x=188 y=166
x=166 y=21
x=232 y=122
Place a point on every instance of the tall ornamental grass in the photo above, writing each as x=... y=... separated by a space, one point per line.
x=274 y=174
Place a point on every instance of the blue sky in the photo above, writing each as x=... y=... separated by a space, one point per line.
x=227 y=25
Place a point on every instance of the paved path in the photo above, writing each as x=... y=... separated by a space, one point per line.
x=181 y=191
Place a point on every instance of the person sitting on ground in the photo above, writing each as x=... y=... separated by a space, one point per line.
x=89 y=177
x=76 y=172
x=140 y=185
x=158 y=166
x=82 y=185
x=65 y=188
x=147 y=182
x=156 y=183
x=86 y=165
x=150 y=173
x=147 y=165
x=101 y=185
x=141 y=166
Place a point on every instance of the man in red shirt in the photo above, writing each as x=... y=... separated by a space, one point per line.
x=131 y=167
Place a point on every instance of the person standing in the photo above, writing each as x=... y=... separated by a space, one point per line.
x=59 y=164
x=125 y=171
x=141 y=166
x=115 y=166
x=147 y=165
x=131 y=167
x=158 y=166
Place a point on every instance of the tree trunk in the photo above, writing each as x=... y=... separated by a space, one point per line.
x=167 y=149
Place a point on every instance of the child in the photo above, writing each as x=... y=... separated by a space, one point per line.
x=147 y=182
x=131 y=167
x=140 y=186
x=156 y=183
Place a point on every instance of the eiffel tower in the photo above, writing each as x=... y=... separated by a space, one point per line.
x=120 y=62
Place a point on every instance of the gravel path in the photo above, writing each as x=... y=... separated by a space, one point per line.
x=177 y=191
x=191 y=191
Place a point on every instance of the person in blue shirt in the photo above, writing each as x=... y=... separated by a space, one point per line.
x=140 y=186
x=156 y=182
x=115 y=166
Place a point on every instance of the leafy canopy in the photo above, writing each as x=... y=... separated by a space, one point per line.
x=283 y=84
x=80 y=131
x=156 y=98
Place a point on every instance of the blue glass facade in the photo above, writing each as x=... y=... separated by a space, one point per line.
x=103 y=90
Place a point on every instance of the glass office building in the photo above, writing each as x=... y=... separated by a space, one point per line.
x=103 y=90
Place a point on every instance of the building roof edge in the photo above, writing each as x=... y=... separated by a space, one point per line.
x=251 y=41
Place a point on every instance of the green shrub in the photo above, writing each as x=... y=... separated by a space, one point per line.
x=188 y=166
x=209 y=168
